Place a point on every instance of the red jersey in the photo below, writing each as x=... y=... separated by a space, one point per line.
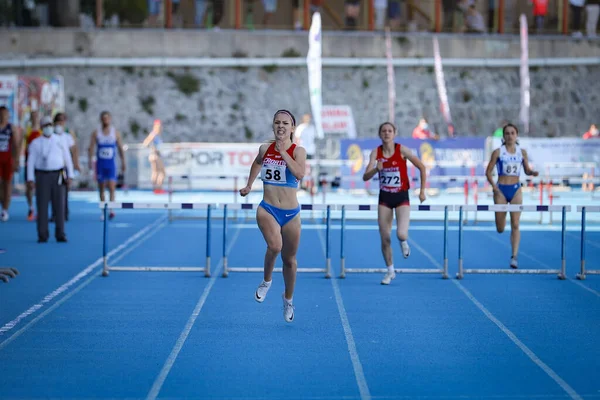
x=540 y=7
x=393 y=178
x=6 y=135
x=274 y=169
x=34 y=134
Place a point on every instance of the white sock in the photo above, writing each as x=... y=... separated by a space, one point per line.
x=267 y=283
x=286 y=300
x=390 y=268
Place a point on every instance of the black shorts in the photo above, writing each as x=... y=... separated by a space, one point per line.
x=393 y=200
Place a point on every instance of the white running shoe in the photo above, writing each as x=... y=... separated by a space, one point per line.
x=405 y=248
x=4 y=216
x=513 y=263
x=288 y=310
x=389 y=276
x=261 y=291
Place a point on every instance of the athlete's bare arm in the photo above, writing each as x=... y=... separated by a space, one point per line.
x=121 y=150
x=410 y=156
x=91 y=150
x=75 y=151
x=526 y=166
x=373 y=167
x=255 y=168
x=16 y=148
x=297 y=164
x=490 y=168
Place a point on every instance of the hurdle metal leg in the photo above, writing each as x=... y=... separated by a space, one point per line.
x=583 y=271
x=561 y=272
x=342 y=254
x=443 y=271
x=225 y=271
x=460 y=273
x=186 y=206
x=581 y=274
x=104 y=241
x=303 y=207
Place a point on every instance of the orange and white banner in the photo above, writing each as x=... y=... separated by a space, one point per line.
x=525 y=83
x=313 y=63
x=441 y=87
x=390 y=77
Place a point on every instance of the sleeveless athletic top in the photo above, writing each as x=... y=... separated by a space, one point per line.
x=31 y=136
x=509 y=164
x=393 y=178
x=274 y=169
x=106 y=147
x=6 y=143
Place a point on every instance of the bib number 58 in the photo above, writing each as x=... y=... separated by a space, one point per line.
x=273 y=175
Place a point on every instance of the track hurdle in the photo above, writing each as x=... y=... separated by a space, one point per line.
x=156 y=206
x=303 y=207
x=373 y=207
x=583 y=272
x=512 y=208
x=189 y=178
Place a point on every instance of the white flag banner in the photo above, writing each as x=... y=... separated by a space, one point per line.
x=313 y=61
x=525 y=99
x=441 y=87
x=390 y=76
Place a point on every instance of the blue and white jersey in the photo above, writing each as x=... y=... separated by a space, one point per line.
x=509 y=164
x=106 y=147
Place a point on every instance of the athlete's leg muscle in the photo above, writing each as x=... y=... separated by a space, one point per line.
x=271 y=232
x=291 y=240
x=384 y=219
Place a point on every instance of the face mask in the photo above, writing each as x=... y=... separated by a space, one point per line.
x=48 y=131
x=58 y=129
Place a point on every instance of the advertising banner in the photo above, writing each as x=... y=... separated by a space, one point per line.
x=338 y=121
x=44 y=94
x=209 y=166
x=8 y=96
x=567 y=157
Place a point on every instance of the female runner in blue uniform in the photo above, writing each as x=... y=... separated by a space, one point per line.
x=508 y=160
x=282 y=165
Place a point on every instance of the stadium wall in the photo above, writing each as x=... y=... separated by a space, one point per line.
x=213 y=104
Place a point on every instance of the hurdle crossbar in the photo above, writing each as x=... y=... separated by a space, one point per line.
x=583 y=272
x=303 y=207
x=156 y=206
x=561 y=272
x=171 y=190
x=373 y=207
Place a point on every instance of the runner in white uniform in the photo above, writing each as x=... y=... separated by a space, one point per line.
x=508 y=160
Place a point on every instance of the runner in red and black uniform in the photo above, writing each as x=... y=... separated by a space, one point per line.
x=9 y=158
x=389 y=160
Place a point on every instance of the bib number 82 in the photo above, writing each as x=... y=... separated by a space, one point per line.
x=272 y=175
x=512 y=168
